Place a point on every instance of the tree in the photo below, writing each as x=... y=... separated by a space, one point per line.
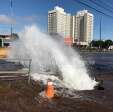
x=93 y=43
x=98 y=43
x=101 y=44
x=108 y=43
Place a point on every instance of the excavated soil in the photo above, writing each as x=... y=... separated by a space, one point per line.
x=19 y=96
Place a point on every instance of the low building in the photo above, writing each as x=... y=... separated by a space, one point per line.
x=5 y=40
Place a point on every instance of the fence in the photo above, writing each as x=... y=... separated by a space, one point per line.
x=14 y=69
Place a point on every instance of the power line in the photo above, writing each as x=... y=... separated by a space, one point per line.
x=93 y=8
x=100 y=5
x=106 y=4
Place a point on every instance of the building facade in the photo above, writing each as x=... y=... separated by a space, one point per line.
x=59 y=22
x=83 y=30
x=75 y=29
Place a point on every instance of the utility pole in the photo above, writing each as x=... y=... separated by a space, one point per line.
x=11 y=11
x=100 y=46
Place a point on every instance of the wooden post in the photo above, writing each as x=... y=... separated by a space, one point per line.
x=29 y=77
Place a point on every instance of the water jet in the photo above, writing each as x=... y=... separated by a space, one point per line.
x=51 y=54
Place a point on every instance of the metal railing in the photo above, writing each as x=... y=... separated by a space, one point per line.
x=12 y=69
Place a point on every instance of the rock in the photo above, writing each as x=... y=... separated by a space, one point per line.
x=100 y=85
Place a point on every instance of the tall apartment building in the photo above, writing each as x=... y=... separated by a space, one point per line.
x=78 y=28
x=59 y=22
x=83 y=29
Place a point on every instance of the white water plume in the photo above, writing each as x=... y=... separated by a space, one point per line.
x=49 y=54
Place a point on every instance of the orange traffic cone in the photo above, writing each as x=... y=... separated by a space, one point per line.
x=50 y=90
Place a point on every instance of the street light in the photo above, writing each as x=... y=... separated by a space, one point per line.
x=100 y=46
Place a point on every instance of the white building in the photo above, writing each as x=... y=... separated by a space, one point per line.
x=59 y=22
x=83 y=30
x=78 y=28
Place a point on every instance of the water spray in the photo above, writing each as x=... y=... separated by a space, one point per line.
x=50 y=55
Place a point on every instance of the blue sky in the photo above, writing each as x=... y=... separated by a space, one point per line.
x=27 y=12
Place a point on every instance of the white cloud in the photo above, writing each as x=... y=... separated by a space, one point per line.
x=30 y=18
x=4 y=19
x=34 y=18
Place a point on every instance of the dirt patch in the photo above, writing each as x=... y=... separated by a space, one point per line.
x=19 y=96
